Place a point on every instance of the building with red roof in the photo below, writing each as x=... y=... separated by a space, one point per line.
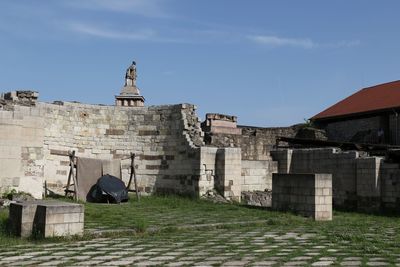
x=368 y=116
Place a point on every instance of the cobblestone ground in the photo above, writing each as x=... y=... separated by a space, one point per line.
x=255 y=246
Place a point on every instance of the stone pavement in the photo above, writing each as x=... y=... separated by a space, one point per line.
x=238 y=246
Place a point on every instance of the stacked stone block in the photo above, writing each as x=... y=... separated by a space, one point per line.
x=46 y=219
x=21 y=218
x=228 y=173
x=255 y=142
x=257 y=174
x=59 y=219
x=359 y=181
x=342 y=166
x=306 y=194
x=21 y=150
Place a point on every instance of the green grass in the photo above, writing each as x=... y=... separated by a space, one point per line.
x=5 y=237
x=162 y=217
x=172 y=211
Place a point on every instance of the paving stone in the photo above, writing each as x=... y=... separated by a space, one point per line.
x=301 y=258
x=106 y=257
x=36 y=253
x=79 y=257
x=7 y=253
x=148 y=253
x=189 y=258
x=352 y=258
x=295 y=263
x=16 y=258
x=377 y=263
x=52 y=263
x=179 y=263
x=120 y=253
x=163 y=258
x=64 y=253
x=24 y=263
x=322 y=263
x=262 y=250
x=48 y=258
x=351 y=263
x=173 y=253
x=136 y=258
x=149 y=263
x=118 y=263
x=88 y=263
x=264 y=263
x=206 y=263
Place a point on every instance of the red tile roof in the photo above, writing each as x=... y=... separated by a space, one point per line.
x=375 y=98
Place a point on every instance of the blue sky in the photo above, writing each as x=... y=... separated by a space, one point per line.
x=271 y=63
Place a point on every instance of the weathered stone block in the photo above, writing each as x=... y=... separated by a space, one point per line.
x=306 y=194
x=46 y=218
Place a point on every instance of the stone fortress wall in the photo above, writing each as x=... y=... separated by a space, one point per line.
x=171 y=154
x=175 y=153
x=167 y=141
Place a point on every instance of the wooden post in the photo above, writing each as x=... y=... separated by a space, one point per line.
x=133 y=174
x=67 y=190
x=72 y=173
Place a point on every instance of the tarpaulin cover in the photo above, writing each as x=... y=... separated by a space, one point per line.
x=108 y=189
x=88 y=172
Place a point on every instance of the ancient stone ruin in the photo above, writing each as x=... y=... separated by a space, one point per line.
x=176 y=153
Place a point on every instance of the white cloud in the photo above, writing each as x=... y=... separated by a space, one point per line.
x=279 y=41
x=111 y=34
x=148 y=35
x=147 y=8
x=307 y=43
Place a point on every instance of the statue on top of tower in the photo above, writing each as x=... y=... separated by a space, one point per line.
x=130 y=75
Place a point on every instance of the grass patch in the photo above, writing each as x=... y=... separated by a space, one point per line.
x=172 y=218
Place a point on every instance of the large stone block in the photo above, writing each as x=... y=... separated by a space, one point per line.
x=46 y=218
x=306 y=194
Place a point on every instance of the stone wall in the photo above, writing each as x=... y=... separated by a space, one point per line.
x=36 y=140
x=359 y=181
x=342 y=166
x=307 y=194
x=255 y=142
x=21 y=149
x=167 y=140
x=257 y=174
x=359 y=130
x=160 y=136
